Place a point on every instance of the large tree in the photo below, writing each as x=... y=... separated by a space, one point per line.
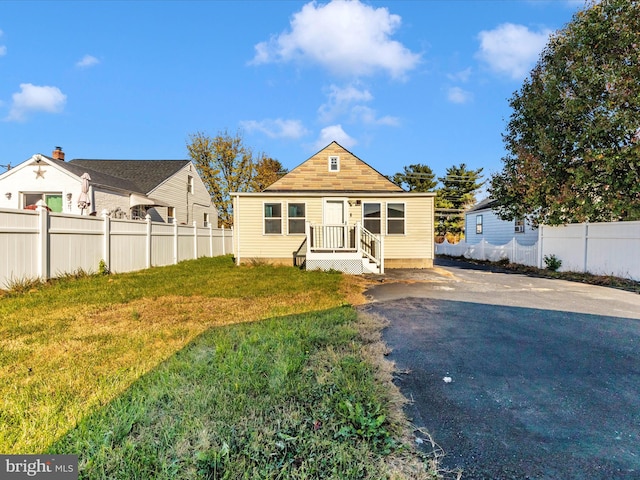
x=573 y=138
x=266 y=171
x=416 y=178
x=457 y=194
x=225 y=164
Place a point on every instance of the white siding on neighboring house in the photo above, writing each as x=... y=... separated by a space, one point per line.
x=496 y=231
x=33 y=178
x=175 y=192
x=116 y=203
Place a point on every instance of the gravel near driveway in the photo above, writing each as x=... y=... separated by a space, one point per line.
x=516 y=377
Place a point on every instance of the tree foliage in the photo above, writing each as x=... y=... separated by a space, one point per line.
x=416 y=178
x=266 y=171
x=225 y=164
x=457 y=194
x=573 y=138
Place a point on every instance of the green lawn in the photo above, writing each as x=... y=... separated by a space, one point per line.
x=202 y=370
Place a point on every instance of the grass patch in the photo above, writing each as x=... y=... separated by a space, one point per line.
x=201 y=370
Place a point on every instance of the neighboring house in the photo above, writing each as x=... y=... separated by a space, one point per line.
x=482 y=223
x=335 y=212
x=168 y=190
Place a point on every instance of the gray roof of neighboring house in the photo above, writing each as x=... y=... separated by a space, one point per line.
x=486 y=204
x=140 y=176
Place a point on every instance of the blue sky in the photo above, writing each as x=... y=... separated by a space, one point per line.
x=395 y=82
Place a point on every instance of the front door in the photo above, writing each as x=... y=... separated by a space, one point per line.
x=334 y=229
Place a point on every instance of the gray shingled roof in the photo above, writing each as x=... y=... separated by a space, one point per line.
x=483 y=205
x=140 y=176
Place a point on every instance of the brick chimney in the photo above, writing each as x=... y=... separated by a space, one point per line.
x=58 y=154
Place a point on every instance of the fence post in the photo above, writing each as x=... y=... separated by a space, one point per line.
x=210 y=240
x=106 y=246
x=175 y=242
x=513 y=251
x=148 y=251
x=224 y=251
x=43 y=227
x=195 y=240
x=586 y=247
x=540 y=241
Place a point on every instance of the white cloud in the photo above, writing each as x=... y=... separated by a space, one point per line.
x=458 y=95
x=276 y=128
x=87 y=61
x=340 y=101
x=511 y=49
x=461 y=76
x=348 y=38
x=368 y=116
x=334 y=133
x=349 y=101
x=33 y=98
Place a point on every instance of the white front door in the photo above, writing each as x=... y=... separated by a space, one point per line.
x=334 y=229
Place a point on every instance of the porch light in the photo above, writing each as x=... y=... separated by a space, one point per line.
x=8 y=195
x=69 y=197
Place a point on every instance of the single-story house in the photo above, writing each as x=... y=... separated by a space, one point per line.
x=167 y=190
x=482 y=223
x=334 y=211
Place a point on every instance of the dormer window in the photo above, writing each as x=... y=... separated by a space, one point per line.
x=334 y=164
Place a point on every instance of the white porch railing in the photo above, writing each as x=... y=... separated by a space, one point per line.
x=328 y=240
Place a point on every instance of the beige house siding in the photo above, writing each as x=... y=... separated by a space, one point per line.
x=414 y=248
x=352 y=174
x=334 y=173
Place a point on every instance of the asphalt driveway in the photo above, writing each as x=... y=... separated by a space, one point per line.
x=517 y=377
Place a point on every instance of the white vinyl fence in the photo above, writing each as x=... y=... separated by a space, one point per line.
x=45 y=245
x=597 y=248
x=513 y=251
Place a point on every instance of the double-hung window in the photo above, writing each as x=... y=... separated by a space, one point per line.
x=296 y=217
x=171 y=214
x=334 y=164
x=371 y=214
x=479 y=224
x=272 y=218
x=395 y=218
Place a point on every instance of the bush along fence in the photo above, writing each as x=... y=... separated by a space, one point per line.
x=45 y=245
x=597 y=248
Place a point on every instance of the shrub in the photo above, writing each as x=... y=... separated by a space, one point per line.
x=552 y=262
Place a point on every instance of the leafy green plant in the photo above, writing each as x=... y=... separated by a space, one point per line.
x=552 y=262
x=213 y=462
x=103 y=268
x=367 y=424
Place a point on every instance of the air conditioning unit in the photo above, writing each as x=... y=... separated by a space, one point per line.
x=519 y=228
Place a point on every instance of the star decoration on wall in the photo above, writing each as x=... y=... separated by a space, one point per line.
x=39 y=172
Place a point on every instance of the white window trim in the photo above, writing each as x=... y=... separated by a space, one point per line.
x=297 y=218
x=329 y=163
x=377 y=218
x=479 y=224
x=272 y=218
x=404 y=219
